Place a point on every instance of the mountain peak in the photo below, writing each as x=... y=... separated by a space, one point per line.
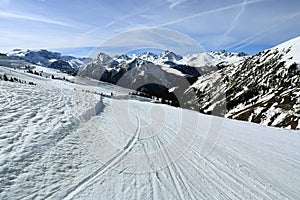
x=104 y=58
x=170 y=56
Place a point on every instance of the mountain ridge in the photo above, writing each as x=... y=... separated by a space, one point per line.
x=50 y=59
x=233 y=82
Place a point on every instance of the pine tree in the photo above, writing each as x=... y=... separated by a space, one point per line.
x=5 y=77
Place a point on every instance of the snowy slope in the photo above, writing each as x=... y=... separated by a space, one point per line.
x=60 y=140
x=263 y=88
x=293 y=48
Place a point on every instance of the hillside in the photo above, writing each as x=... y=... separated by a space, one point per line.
x=61 y=140
x=264 y=89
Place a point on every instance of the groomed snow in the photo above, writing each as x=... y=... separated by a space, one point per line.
x=62 y=141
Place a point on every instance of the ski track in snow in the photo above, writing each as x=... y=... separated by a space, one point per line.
x=47 y=153
x=107 y=166
x=231 y=171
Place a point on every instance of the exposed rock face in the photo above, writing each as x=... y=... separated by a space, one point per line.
x=62 y=66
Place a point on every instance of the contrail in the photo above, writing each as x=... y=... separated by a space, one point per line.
x=175 y=3
x=258 y=35
x=32 y=18
x=208 y=12
x=233 y=23
x=123 y=18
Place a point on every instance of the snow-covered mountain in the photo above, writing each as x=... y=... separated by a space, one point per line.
x=206 y=61
x=212 y=58
x=165 y=71
x=168 y=61
x=169 y=56
x=49 y=59
x=265 y=88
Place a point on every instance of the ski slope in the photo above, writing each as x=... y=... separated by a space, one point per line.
x=60 y=140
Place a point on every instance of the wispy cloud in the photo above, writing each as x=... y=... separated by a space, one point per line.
x=120 y=19
x=209 y=12
x=233 y=23
x=237 y=23
x=32 y=18
x=149 y=17
x=175 y=3
x=260 y=34
x=141 y=13
x=91 y=31
x=158 y=38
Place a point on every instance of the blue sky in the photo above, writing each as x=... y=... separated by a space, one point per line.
x=234 y=25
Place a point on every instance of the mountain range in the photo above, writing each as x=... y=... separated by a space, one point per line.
x=262 y=88
x=49 y=59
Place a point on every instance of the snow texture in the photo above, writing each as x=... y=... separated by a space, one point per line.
x=63 y=140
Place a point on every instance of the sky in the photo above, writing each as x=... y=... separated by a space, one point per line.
x=184 y=26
